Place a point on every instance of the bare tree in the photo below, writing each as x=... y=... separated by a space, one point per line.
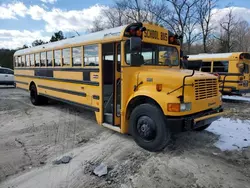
x=179 y=17
x=115 y=15
x=242 y=36
x=204 y=10
x=97 y=25
x=124 y=12
x=228 y=28
x=192 y=34
x=134 y=10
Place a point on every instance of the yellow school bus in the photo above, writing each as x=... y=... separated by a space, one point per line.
x=117 y=74
x=232 y=69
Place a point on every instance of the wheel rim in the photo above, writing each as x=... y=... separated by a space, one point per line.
x=32 y=95
x=146 y=128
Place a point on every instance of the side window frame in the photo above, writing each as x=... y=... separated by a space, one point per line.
x=32 y=60
x=206 y=67
x=43 y=62
x=59 y=58
x=51 y=59
x=95 y=55
x=80 y=55
x=39 y=59
x=222 y=66
x=63 y=57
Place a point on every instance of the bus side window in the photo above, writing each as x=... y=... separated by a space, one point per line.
x=220 y=66
x=91 y=55
x=57 y=56
x=32 y=60
x=16 y=61
x=27 y=60
x=49 y=58
x=43 y=59
x=37 y=59
x=66 y=56
x=77 y=56
x=19 y=61
x=23 y=61
x=206 y=67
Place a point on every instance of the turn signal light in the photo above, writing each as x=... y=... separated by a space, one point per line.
x=158 y=87
x=171 y=39
x=174 y=107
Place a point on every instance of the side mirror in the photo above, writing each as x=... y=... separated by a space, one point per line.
x=135 y=44
x=241 y=67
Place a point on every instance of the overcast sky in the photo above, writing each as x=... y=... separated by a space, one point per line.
x=21 y=22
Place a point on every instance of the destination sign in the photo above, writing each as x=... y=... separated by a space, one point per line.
x=153 y=34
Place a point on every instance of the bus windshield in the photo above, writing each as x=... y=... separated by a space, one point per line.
x=153 y=54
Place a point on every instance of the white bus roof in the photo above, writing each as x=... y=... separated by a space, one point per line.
x=206 y=56
x=107 y=33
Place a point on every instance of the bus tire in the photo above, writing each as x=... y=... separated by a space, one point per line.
x=203 y=127
x=34 y=97
x=148 y=128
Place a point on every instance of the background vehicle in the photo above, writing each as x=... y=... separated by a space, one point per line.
x=232 y=68
x=118 y=74
x=6 y=76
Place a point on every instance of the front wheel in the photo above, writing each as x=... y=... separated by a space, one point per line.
x=148 y=128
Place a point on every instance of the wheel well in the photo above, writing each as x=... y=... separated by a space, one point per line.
x=140 y=100
x=31 y=84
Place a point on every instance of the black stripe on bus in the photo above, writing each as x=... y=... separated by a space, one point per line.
x=64 y=91
x=228 y=74
x=62 y=80
x=72 y=103
x=230 y=81
x=44 y=72
x=96 y=97
x=19 y=82
x=86 y=76
x=228 y=87
x=61 y=69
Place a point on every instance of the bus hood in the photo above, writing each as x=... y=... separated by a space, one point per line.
x=171 y=77
x=176 y=74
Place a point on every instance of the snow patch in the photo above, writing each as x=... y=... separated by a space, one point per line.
x=234 y=134
x=236 y=98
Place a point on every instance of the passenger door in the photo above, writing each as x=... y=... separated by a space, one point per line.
x=111 y=83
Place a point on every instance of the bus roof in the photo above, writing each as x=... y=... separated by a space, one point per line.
x=213 y=56
x=107 y=33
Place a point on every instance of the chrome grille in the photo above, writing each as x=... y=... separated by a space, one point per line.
x=205 y=88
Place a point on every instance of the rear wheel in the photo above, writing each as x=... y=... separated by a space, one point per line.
x=35 y=98
x=148 y=128
x=203 y=127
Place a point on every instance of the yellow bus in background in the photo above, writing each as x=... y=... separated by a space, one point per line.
x=232 y=69
x=119 y=74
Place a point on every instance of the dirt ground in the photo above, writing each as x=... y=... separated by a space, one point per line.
x=31 y=138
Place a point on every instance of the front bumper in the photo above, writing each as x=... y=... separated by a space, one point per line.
x=193 y=121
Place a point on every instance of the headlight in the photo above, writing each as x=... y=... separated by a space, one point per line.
x=185 y=107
